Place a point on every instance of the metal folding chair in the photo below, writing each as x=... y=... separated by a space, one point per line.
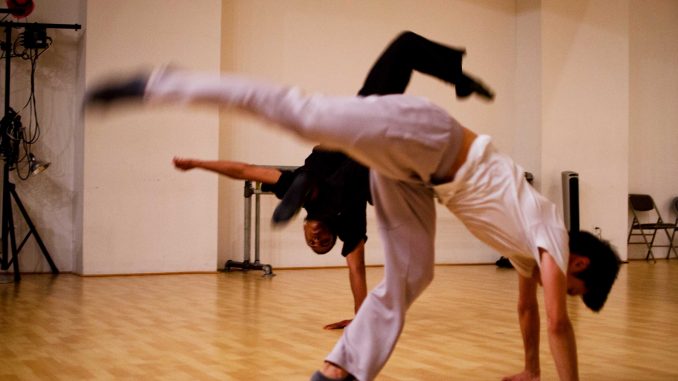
x=675 y=228
x=647 y=221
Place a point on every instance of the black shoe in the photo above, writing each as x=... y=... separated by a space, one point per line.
x=504 y=263
x=317 y=376
x=115 y=91
x=467 y=85
x=294 y=199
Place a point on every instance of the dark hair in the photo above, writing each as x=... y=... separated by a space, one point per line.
x=602 y=270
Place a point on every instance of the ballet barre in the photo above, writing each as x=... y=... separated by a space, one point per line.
x=253 y=188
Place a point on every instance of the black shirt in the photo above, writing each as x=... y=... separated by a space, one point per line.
x=339 y=197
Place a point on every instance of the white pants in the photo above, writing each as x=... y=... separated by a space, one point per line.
x=405 y=141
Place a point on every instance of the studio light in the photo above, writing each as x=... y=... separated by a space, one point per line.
x=36 y=166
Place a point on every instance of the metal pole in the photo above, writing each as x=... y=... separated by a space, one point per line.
x=6 y=206
x=248 y=220
x=257 y=224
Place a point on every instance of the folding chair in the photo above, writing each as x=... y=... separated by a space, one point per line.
x=675 y=228
x=646 y=222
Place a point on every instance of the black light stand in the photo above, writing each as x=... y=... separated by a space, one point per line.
x=9 y=149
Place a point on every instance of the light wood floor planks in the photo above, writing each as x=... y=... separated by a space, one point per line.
x=242 y=326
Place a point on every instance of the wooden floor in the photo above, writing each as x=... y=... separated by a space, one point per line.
x=242 y=326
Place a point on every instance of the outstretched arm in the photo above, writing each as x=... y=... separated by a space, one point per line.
x=528 y=316
x=233 y=169
x=356 y=267
x=560 y=331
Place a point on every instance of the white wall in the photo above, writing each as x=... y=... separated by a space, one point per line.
x=653 y=153
x=329 y=47
x=528 y=88
x=139 y=214
x=585 y=108
x=561 y=71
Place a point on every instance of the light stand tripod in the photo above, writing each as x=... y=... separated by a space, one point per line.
x=9 y=149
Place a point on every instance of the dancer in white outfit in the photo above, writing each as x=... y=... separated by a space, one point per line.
x=415 y=150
